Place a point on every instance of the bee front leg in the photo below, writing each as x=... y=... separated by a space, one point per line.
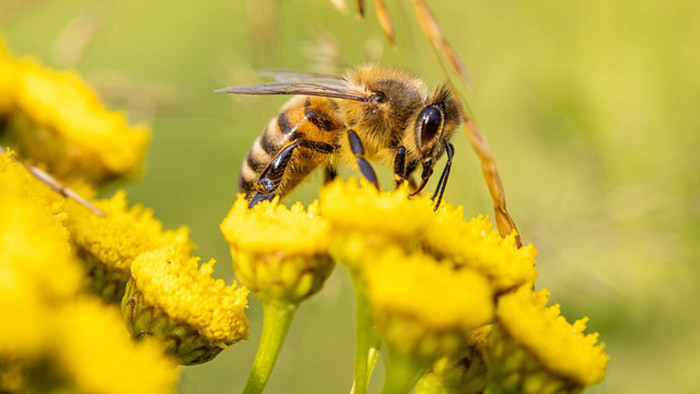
x=400 y=166
x=359 y=151
x=329 y=174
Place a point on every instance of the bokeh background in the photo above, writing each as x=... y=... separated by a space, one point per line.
x=591 y=110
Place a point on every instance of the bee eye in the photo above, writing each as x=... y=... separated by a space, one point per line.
x=428 y=124
x=378 y=97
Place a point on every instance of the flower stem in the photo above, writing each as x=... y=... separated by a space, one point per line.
x=402 y=373
x=276 y=321
x=366 y=343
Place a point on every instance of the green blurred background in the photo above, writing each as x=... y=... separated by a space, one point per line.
x=590 y=109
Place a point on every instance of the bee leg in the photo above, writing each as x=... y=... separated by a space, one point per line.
x=272 y=175
x=413 y=185
x=260 y=197
x=442 y=183
x=400 y=166
x=329 y=174
x=359 y=151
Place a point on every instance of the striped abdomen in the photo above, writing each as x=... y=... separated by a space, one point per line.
x=308 y=118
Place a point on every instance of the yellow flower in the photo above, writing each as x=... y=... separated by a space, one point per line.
x=172 y=297
x=423 y=307
x=350 y=205
x=475 y=244
x=108 y=245
x=279 y=253
x=96 y=355
x=34 y=246
x=60 y=121
x=533 y=347
x=365 y=219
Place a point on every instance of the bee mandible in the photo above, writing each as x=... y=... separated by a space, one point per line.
x=370 y=113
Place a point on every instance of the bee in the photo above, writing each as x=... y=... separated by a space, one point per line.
x=370 y=113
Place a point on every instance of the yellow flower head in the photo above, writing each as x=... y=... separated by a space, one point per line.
x=34 y=244
x=109 y=244
x=571 y=358
x=270 y=227
x=475 y=244
x=61 y=122
x=96 y=354
x=195 y=307
x=360 y=207
x=279 y=253
x=364 y=219
x=423 y=307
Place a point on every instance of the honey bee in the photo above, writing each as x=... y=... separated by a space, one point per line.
x=370 y=113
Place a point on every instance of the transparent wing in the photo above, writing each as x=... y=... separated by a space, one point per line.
x=300 y=76
x=340 y=90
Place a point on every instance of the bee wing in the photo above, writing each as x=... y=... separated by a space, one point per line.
x=340 y=90
x=300 y=76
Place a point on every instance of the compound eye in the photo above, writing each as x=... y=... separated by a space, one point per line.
x=378 y=97
x=428 y=124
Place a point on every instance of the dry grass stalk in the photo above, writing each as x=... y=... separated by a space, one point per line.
x=504 y=221
x=361 y=8
x=55 y=185
x=432 y=31
x=385 y=21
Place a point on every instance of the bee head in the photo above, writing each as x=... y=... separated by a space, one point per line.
x=435 y=125
x=394 y=96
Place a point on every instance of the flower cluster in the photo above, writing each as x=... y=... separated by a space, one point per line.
x=436 y=284
x=51 y=332
x=66 y=263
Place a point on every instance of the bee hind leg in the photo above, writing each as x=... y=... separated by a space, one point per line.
x=271 y=177
x=260 y=197
x=359 y=151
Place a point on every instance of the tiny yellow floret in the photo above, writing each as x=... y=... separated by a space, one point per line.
x=560 y=346
x=96 y=354
x=186 y=291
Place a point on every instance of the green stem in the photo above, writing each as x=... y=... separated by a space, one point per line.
x=402 y=373
x=366 y=343
x=276 y=321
